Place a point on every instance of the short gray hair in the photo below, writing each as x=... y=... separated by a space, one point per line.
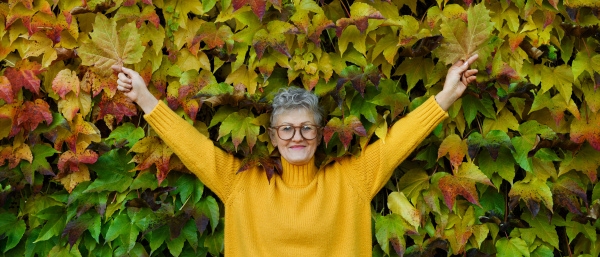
x=296 y=98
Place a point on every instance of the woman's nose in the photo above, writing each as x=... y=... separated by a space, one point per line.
x=297 y=135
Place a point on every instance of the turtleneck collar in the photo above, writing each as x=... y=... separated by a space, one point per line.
x=298 y=175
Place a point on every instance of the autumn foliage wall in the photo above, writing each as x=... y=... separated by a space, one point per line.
x=512 y=172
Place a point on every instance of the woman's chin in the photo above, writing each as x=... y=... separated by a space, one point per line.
x=296 y=159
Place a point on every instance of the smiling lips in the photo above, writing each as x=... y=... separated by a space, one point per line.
x=298 y=147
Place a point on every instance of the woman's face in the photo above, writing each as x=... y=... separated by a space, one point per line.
x=297 y=150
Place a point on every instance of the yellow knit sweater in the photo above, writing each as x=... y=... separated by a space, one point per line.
x=306 y=211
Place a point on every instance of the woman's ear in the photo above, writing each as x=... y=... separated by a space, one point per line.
x=273 y=137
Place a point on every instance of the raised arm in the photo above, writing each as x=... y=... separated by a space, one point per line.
x=377 y=163
x=214 y=167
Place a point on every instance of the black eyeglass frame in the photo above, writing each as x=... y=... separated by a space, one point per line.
x=276 y=128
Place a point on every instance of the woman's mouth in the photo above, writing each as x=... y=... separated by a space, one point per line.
x=297 y=147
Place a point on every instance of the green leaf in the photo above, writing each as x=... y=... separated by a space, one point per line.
x=413 y=182
x=209 y=208
x=40 y=164
x=359 y=77
x=575 y=228
x=188 y=185
x=128 y=132
x=416 y=69
x=113 y=173
x=471 y=106
x=515 y=247
x=157 y=237
x=240 y=124
x=176 y=245
x=541 y=226
x=215 y=242
x=12 y=228
x=391 y=229
x=53 y=227
x=360 y=106
x=392 y=97
x=504 y=165
x=127 y=230
x=561 y=78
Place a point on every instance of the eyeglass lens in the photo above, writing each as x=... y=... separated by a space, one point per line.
x=307 y=131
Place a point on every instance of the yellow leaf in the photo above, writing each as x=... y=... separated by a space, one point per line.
x=243 y=76
x=72 y=179
x=398 y=203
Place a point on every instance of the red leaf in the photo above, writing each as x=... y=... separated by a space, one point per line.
x=24 y=74
x=260 y=156
x=78 y=128
x=33 y=113
x=345 y=130
x=98 y=83
x=258 y=6
x=361 y=21
x=148 y=14
x=118 y=106
x=211 y=36
x=321 y=22
x=72 y=160
x=587 y=129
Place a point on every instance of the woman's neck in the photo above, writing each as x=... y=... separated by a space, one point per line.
x=298 y=175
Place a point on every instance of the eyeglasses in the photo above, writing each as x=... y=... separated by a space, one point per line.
x=287 y=132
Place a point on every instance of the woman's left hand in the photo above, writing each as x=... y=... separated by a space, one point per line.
x=457 y=79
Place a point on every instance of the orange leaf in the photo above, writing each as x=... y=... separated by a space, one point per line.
x=463 y=183
x=65 y=82
x=455 y=147
x=152 y=150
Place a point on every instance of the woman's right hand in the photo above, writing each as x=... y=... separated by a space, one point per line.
x=133 y=86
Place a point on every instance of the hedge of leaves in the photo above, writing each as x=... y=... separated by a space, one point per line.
x=512 y=172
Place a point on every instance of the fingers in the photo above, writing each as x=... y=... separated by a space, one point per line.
x=124 y=78
x=129 y=72
x=116 y=68
x=472 y=59
x=123 y=86
x=469 y=73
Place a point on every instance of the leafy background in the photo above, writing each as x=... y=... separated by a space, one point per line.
x=513 y=172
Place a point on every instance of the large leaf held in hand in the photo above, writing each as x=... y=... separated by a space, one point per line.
x=111 y=45
x=461 y=40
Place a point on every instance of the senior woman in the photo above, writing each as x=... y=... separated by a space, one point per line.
x=306 y=211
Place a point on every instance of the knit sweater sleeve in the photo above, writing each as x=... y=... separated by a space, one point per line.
x=213 y=166
x=376 y=165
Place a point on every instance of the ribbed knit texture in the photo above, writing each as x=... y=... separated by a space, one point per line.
x=305 y=211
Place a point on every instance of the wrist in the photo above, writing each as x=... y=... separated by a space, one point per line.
x=445 y=99
x=147 y=102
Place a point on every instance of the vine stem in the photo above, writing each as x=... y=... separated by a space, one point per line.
x=346 y=9
x=568 y=246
